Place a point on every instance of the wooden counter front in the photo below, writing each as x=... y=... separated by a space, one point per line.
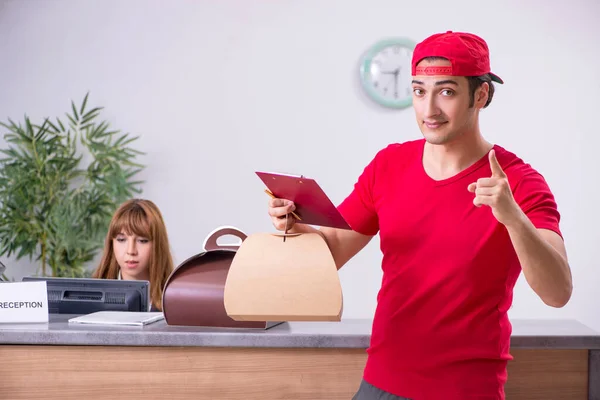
x=174 y=373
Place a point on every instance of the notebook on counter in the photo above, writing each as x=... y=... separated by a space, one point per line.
x=127 y=318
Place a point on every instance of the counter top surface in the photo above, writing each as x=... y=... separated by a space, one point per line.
x=349 y=333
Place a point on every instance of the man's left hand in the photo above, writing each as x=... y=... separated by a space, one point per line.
x=495 y=192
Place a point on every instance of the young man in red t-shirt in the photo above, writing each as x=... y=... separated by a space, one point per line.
x=459 y=218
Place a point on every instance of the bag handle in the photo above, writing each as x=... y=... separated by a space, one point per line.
x=211 y=240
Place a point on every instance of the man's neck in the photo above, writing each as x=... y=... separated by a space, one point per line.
x=444 y=161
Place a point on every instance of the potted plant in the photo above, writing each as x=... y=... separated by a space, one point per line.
x=54 y=208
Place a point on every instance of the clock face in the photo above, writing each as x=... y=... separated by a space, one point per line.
x=385 y=72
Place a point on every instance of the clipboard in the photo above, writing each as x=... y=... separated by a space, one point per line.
x=312 y=204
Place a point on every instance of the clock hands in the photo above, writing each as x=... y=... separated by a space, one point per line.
x=392 y=72
x=395 y=73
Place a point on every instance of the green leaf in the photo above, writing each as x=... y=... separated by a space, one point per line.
x=73 y=122
x=62 y=127
x=41 y=131
x=75 y=114
x=93 y=113
x=85 y=99
x=54 y=127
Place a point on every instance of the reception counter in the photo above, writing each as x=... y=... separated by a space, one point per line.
x=553 y=359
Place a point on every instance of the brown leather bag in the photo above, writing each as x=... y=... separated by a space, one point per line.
x=193 y=294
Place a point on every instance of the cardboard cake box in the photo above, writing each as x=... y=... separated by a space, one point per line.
x=291 y=280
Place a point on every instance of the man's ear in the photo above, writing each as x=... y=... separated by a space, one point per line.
x=481 y=95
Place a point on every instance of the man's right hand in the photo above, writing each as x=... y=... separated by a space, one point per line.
x=278 y=209
x=342 y=243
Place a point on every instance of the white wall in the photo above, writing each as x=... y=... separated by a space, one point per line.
x=221 y=89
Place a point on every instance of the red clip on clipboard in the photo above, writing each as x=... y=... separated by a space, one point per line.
x=312 y=204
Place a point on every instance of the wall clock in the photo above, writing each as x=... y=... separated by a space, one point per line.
x=385 y=72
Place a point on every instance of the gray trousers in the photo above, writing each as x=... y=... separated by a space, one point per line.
x=366 y=391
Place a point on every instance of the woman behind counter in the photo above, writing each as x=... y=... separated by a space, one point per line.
x=137 y=248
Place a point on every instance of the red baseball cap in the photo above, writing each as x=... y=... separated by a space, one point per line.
x=468 y=54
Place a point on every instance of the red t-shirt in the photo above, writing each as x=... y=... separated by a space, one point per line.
x=441 y=329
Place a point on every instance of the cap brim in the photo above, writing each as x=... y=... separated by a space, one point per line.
x=496 y=78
